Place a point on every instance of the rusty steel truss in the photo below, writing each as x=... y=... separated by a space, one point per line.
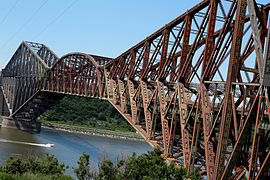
x=197 y=88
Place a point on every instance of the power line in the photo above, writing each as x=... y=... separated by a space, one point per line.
x=28 y=20
x=55 y=19
x=9 y=11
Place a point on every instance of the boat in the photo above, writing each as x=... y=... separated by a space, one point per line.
x=49 y=145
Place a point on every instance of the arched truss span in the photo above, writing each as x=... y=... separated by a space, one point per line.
x=77 y=74
x=198 y=88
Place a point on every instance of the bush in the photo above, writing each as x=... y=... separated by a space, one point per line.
x=61 y=177
x=146 y=166
x=108 y=171
x=83 y=171
x=47 y=165
x=13 y=166
x=31 y=176
x=5 y=176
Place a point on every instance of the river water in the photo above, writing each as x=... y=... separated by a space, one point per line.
x=68 y=147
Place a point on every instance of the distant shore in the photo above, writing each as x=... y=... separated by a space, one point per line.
x=94 y=132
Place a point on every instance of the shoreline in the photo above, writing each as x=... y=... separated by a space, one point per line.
x=94 y=132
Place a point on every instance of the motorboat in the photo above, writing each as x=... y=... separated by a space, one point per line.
x=49 y=145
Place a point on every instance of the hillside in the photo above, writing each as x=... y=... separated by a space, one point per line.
x=94 y=113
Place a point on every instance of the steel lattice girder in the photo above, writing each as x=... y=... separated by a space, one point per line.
x=197 y=88
x=24 y=76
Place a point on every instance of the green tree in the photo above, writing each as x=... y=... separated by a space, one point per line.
x=83 y=170
x=148 y=166
x=102 y=117
x=47 y=165
x=86 y=111
x=107 y=171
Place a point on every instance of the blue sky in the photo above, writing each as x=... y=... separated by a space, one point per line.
x=101 y=27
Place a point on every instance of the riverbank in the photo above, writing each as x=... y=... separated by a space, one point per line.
x=90 y=131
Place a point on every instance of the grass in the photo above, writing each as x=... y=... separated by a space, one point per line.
x=85 y=127
x=31 y=176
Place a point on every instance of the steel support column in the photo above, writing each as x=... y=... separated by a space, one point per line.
x=231 y=77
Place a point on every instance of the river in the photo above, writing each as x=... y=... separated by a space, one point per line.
x=68 y=147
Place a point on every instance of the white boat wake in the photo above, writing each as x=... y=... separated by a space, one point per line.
x=27 y=143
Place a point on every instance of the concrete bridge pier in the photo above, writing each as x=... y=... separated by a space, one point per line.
x=21 y=124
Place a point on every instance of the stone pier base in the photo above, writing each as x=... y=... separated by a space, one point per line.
x=21 y=124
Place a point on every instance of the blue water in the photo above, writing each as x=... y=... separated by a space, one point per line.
x=68 y=146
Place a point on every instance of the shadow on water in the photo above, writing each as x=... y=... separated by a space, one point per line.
x=9 y=148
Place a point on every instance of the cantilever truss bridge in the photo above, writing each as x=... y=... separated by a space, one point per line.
x=197 y=88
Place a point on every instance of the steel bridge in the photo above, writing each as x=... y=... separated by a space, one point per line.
x=197 y=88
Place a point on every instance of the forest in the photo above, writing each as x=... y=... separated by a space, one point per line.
x=93 y=113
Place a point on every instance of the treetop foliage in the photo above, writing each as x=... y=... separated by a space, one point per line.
x=148 y=166
x=86 y=111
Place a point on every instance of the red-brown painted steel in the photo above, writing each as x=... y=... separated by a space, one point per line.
x=194 y=88
x=172 y=88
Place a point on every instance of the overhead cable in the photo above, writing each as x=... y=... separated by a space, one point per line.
x=9 y=11
x=28 y=20
x=55 y=19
